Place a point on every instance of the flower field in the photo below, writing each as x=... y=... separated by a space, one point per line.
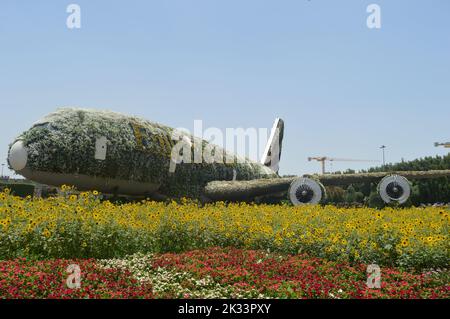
x=31 y=279
x=211 y=273
x=82 y=226
x=149 y=249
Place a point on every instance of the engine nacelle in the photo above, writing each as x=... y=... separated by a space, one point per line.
x=394 y=188
x=304 y=191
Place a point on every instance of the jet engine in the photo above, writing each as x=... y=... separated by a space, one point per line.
x=304 y=191
x=394 y=188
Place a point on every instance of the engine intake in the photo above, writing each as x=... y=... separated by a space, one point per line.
x=306 y=191
x=394 y=188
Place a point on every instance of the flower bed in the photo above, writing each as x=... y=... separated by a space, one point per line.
x=212 y=273
x=29 y=279
x=82 y=226
x=236 y=273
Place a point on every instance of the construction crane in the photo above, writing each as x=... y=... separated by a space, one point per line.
x=325 y=159
x=446 y=145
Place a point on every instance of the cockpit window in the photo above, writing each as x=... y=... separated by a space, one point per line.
x=41 y=124
x=45 y=125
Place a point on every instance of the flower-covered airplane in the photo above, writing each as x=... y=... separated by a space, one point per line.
x=119 y=154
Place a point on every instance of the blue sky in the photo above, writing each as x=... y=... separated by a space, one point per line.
x=343 y=89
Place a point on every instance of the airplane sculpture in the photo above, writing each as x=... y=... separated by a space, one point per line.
x=125 y=155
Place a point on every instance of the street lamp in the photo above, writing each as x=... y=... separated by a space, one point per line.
x=383 y=147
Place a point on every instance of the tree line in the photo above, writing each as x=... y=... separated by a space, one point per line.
x=429 y=191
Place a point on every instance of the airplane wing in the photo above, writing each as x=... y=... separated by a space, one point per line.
x=346 y=179
x=246 y=190
x=307 y=189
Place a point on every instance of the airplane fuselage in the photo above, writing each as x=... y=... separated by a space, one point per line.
x=115 y=153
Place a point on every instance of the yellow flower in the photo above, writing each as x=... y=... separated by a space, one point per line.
x=46 y=233
x=404 y=243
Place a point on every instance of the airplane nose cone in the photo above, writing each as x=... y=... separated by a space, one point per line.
x=18 y=156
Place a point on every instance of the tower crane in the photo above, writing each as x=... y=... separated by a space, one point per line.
x=324 y=159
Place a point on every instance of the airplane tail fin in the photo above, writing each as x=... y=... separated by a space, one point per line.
x=272 y=154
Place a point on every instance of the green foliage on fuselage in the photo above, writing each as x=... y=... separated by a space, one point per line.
x=137 y=150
